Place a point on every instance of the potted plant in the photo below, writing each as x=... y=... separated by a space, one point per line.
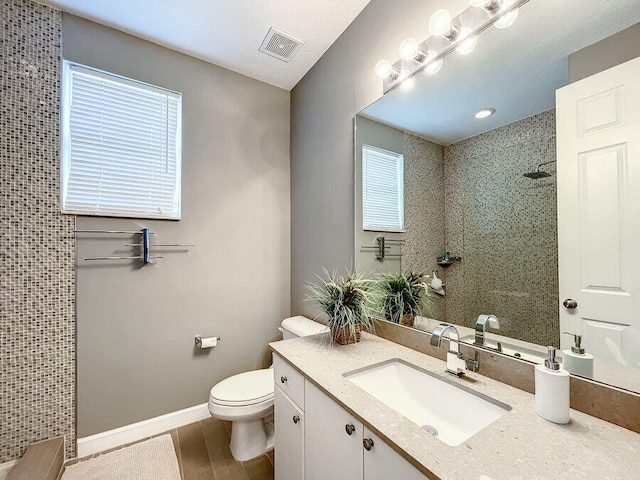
x=403 y=296
x=348 y=301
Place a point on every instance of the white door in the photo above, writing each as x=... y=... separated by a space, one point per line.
x=333 y=442
x=598 y=135
x=289 y=432
x=381 y=462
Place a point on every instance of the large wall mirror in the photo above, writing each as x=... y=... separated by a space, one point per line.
x=479 y=196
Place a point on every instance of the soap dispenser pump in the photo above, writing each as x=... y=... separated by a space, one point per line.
x=576 y=360
x=552 y=390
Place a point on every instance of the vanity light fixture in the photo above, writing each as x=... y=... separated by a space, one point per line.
x=432 y=66
x=408 y=81
x=488 y=5
x=467 y=41
x=410 y=50
x=508 y=18
x=440 y=24
x=485 y=112
x=384 y=69
x=447 y=35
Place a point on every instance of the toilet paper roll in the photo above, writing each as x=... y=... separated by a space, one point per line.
x=209 y=342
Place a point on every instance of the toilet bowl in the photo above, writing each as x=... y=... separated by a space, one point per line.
x=246 y=399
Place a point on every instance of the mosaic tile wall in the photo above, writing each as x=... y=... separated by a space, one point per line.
x=504 y=226
x=37 y=331
x=424 y=211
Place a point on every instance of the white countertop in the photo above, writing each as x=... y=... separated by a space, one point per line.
x=520 y=445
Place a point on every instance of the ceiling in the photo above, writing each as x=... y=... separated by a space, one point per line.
x=228 y=32
x=516 y=71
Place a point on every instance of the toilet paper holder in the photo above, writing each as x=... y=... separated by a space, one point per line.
x=198 y=340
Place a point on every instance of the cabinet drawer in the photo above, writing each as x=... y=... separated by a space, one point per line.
x=289 y=380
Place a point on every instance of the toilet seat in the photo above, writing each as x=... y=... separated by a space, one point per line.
x=244 y=389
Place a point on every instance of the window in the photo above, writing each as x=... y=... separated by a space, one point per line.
x=382 y=190
x=121 y=146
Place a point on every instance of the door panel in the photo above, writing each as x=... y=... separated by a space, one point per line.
x=598 y=134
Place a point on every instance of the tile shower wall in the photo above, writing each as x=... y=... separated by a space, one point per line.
x=504 y=226
x=37 y=331
x=424 y=211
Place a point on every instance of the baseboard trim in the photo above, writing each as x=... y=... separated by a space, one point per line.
x=137 y=431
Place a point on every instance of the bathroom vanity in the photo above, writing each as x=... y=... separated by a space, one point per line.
x=329 y=427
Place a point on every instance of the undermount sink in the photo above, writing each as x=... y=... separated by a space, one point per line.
x=450 y=411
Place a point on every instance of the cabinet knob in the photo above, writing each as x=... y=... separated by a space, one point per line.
x=368 y=444
x=349 y=428
x=296 y=419
x=570 y=303
x=283 y=379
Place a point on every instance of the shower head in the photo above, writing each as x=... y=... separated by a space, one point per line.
x=537 y=173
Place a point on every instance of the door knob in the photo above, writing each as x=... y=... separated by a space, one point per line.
x=296 y=419
x=350 y=429
x=570 y=303
x=368 y=444
x=283 y=379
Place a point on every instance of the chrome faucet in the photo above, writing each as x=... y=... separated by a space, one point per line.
x=456 y=363
x=481 y=327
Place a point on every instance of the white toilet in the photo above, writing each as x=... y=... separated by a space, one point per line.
x=246 y=399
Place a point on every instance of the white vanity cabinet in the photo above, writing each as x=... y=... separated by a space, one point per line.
x=289 y=419
x=316 y=439
x=333 y=444
x=381 y=462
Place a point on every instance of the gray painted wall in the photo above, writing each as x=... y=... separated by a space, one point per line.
x=612 y=51
x=323 y=106
x=136 y=326
x=388 y=138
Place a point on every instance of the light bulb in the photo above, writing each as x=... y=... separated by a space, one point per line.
x=408 y=81
x=467 y=43
x=383 y=69
x=432 y=67
x=409 y=49
x=507 y=20
x=440 y=22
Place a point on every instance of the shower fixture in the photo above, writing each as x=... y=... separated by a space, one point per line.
x=537 y=173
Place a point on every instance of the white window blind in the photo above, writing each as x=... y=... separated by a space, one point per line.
x=382 y=190
x=121 y=146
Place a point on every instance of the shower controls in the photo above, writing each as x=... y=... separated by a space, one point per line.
x=570 y=303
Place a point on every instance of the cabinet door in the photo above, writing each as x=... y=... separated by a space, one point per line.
x=381 y=462
x=333 y=439
x=289 y=432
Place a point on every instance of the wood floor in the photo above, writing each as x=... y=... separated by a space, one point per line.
x=203 y=453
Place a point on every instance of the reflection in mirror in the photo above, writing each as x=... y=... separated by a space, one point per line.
x=480 y=195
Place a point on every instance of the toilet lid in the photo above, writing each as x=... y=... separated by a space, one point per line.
x=244 y=388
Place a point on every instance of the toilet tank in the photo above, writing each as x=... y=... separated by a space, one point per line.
x=300 y=326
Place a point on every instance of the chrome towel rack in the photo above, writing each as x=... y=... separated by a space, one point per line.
x=381 y=248
x=145 y=244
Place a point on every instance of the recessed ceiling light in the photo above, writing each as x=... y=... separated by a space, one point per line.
x=485 y=112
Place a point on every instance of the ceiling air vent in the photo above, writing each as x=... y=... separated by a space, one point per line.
x=280 y=45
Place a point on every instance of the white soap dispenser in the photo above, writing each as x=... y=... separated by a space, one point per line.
x=552 y=390
x=576 y=360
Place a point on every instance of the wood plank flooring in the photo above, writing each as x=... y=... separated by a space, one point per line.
x=203 y=453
